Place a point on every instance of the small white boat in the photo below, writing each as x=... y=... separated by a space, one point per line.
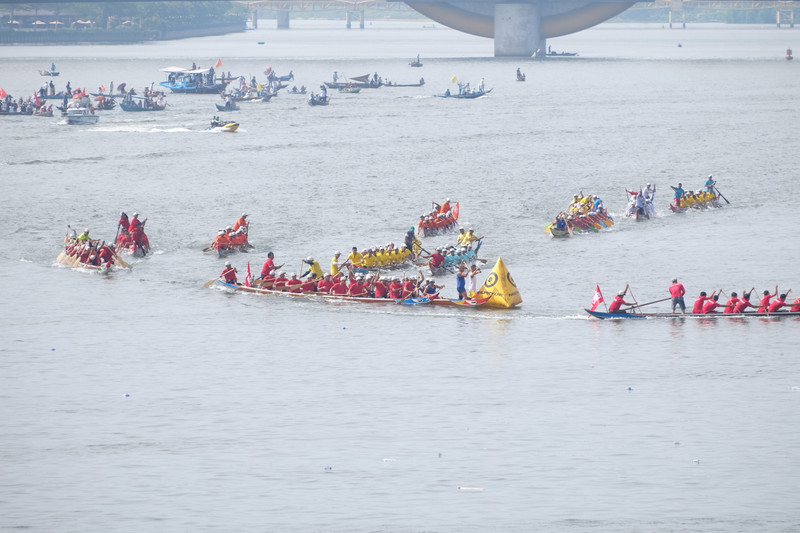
x=80 y=115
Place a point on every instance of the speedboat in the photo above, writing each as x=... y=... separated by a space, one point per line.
x=80 y=115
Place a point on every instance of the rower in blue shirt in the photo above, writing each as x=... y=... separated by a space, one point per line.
x=710 y=182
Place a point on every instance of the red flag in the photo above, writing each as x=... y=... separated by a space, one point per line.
x=3 y=93
x=598 y=298
x=102 y=88
x=248 y=277
x=218 y=63
x=38 y=103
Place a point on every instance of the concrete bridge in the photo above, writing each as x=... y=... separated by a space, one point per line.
x=520 y=27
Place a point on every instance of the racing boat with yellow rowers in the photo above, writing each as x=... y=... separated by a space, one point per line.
x=636 y=316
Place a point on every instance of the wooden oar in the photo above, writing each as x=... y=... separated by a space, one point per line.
x=649 y=303
x=726 y=200
x=208 y=283
x=628 y=288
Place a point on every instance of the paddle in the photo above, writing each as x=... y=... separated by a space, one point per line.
x=726 y=200
x=649 y=303
x=628 y=288
x=208 y=283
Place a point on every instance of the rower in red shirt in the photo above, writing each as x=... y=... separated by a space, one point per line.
x=123 y=222
x=134 y=223
x=357 y=287
x=324 y=285
x=795 y=305
x=309 y=285
x=340 y=287
x=229 y=273
x=618 y=302
x=279 y=283
x=744 y=303
x=730 y=305
x=381 y=289
x=764 y=305
x=677 y=291
x=269 y=266
x=410 y=287
x=711 y=304
x=396 y=289
x=293 y=283
x=437 y=258
x=779 y=302
x=698 y=304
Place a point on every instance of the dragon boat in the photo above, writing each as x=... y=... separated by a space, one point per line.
x=583 y=215
x=637 y=316
x=434 y=224
x=322 y=296
x=699 y=200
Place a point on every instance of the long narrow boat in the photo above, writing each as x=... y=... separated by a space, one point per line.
x=328 y=297
x=469 y=95
x=636 y=316
x=461 y=303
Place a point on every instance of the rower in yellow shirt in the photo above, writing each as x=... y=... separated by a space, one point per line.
x=313 y=268
x=355 y=258
x=335 y=264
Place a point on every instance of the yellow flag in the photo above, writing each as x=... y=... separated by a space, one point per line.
x=453 y=79
x=500 y=288
x=258 y=87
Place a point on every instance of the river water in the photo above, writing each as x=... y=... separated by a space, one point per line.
x=143 y=402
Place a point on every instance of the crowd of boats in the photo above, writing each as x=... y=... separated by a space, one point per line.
x=587 y=214
x=80 y=106
x=364 y=275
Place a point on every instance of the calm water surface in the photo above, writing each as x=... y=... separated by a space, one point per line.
x=143 y=402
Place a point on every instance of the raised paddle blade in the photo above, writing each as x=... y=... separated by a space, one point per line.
x=208 y=283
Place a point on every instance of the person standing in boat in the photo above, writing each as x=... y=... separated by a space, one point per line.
x=461 y=280
x=709 y=185
x=472 y=281
x=676 y=290
x=679 y=192
x=269 y=266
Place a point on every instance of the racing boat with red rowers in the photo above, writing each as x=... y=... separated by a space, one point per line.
x=622 y=316
x=323 y=296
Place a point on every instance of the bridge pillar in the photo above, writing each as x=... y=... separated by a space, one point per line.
x=255 y=19
x=283 y=19
x=361 y=19
x=348 y=18
x=517 y=29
